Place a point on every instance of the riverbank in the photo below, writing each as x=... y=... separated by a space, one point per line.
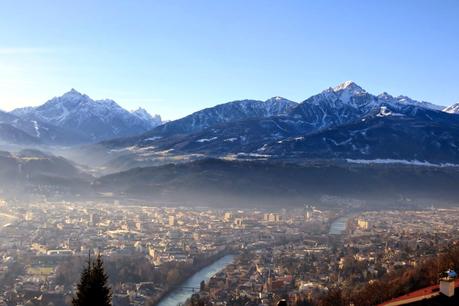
x=180 y=295
x=189 y=274
x=339 y=225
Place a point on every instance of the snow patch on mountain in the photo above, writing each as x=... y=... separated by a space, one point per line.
x=453 y=109
x=153 y=138
x=206 y=139
x=385 y=112
x=37 y=130
x=399 y=161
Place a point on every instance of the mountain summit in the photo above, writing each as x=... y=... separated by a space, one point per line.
x=144 y=115
x=349 y=86
x=95 y=120
x=453 y=109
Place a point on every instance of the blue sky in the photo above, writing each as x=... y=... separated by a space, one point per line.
x=175 y=57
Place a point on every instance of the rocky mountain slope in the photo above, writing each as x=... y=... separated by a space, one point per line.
x=221 y=114
x=344 y=122
x=85 y=120
x=453 y=109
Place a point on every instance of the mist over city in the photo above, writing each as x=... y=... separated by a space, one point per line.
x=202 y=153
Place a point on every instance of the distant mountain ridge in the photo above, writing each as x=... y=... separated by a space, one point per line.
x=332 y=107
x=343 y=122
x=224 y=113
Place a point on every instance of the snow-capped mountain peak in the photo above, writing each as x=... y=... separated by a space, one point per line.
x=350 y=94
x=385 y=96
x=95 y=119
x=74 y=94
x=276 y=98
x=73 y=91
x=342 y=94
x=453 y=109
x=142 y=113
x=145 y=115
x=349 y=86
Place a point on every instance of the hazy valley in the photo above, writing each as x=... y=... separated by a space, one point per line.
x=342 y=143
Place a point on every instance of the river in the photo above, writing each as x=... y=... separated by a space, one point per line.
x=339 y=225
x=180 y=295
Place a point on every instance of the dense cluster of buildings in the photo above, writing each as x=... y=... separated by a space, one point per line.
x=283 y=254
x=38 y=241
x=372 y=245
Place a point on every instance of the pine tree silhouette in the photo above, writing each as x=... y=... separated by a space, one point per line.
x=83 y=288
x=102 y=294
x=93 y=289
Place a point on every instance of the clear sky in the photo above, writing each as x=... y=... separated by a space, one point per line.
x=175 y=57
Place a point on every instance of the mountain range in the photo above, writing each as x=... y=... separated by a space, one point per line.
x=344 y=122
x=73 y=118
x=342 y=143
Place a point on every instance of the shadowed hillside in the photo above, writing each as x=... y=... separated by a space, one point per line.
x=220 y=182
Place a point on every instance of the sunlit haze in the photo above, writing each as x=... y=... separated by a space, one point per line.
x=229 y=153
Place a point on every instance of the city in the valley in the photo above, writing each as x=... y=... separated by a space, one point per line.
x=261 y=256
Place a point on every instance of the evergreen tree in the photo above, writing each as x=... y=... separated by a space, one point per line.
x=83 y=288
x=102 y=294
x=93 y=289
